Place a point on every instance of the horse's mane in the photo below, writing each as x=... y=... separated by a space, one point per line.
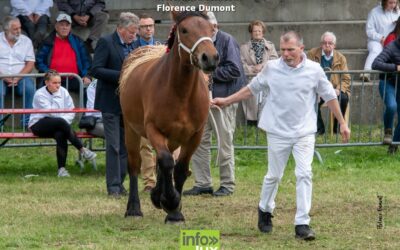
x=138 y=57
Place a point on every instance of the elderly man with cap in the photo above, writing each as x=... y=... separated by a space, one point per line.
x=227 y=79
x=64 y=52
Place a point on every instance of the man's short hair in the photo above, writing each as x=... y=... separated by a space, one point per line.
x=145 y=16
x=287 y=35
x=126 y=19
x=331 y=34
x=7 y=22
x=212 y=19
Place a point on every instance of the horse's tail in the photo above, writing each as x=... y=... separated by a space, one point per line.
x=136 y=58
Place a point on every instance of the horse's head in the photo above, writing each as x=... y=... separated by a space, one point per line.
x=194 y=33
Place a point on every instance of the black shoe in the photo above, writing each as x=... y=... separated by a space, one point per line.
x=304 y=232
x=321 y=131
x=115 y=195
x=198 y=190
x=222 y=191
x=392 y=149
x=264 y=221
x=123 y=191
x=252 y=123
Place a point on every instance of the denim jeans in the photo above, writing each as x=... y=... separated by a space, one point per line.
x=390 y=99
x=25 y=88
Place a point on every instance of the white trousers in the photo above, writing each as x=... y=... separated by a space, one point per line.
x=279 y=150
x=374 y=49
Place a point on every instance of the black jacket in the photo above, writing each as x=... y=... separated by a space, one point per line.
x=106 y=67
x=388 y=60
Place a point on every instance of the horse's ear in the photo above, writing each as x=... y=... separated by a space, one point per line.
x=174 y=13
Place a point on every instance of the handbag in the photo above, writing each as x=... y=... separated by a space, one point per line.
x=87 y=122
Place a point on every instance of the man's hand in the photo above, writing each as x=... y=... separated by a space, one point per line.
x=257 y=68
x=11 y=81
x=81 y=20
x=86 y=80
x=345 y=132
x=220 y=102
x=337 y=92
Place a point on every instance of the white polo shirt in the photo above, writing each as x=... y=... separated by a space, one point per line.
x=13 y=59
x=289 y=110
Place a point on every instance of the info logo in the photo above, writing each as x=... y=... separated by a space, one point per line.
x=199 y=240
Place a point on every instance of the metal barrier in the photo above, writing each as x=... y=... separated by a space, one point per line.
x=365 y=119
x=12 y=126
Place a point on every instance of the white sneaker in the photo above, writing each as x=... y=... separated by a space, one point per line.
x=88 y=155
x=62 y=172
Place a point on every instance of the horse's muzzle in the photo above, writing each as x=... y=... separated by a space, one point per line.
x=209 y=63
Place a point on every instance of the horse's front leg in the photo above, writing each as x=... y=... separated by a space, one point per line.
x=132 y=142
x=181 y=170
x=164 y=192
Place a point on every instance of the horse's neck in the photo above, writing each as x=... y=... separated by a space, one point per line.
x=183 y=76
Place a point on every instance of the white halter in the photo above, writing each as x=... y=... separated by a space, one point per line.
x=190 y=51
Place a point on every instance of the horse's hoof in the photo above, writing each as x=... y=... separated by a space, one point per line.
x=134 y=214
x=175 y=218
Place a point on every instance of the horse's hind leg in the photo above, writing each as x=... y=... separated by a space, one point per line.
x=132 y=141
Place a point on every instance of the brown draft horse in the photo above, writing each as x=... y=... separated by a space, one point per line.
x=166 y=100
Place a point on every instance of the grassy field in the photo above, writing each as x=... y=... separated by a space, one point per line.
x=47 y=212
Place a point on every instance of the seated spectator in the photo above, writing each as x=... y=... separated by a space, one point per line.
x=57 y=125
x=381 y=21
x=89 y=13
x=389 y=61
x=34 y=16
x=66 y=53
x=98 y=129
x=394 y=34
x=332 y=60
x=16 y=57
x=254 y=55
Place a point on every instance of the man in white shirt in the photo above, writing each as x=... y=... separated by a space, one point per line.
x=16 y=57
x=292 y=84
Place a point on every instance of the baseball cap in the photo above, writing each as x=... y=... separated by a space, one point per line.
x=63 y=17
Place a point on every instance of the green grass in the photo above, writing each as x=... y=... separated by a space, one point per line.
x=75 y=213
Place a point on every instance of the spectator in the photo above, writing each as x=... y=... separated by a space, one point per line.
x=289 y=119
x=227 y=78
x=394 y=34
x=16 y=57
x=89 y=13
x=34 y=16
x=107 y=63
x=57 y=125
x=381 y=21
x=146 y=32
x=389 y=61
x=254 y=55
x=331 y=60
x=98 y=129
x=66 y=53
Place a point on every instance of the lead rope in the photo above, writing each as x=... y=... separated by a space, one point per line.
x=213 y=122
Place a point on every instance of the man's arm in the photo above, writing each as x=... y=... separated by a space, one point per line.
x=333 y=106
x=242 y=94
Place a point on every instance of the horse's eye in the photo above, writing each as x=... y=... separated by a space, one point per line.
x=184 y=31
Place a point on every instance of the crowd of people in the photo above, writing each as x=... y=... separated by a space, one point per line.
x=277 y=93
